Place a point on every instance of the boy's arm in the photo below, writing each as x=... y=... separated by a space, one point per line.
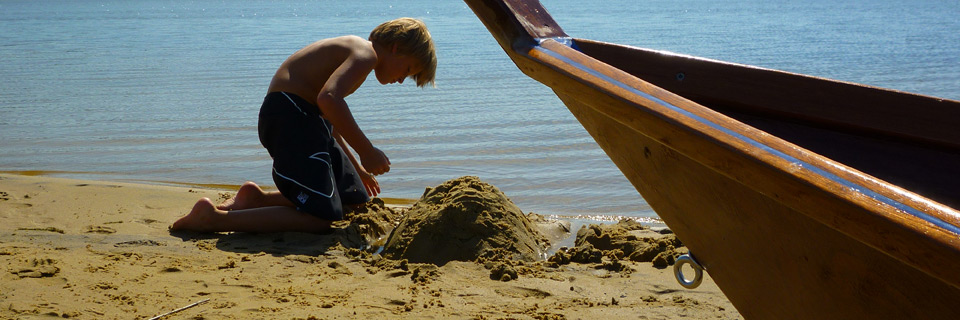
x=344 y=80
x=369 y=182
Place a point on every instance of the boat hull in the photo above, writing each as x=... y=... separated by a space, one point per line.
x=771 y=261
x=785 y=232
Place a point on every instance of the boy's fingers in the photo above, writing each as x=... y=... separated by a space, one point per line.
x=369 y=184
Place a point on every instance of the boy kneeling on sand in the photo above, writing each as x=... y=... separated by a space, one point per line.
x=314 y=171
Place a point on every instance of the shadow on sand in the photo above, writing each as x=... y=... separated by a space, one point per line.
x=276 y=244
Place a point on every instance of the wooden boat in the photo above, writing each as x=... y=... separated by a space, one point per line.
x=802 y=197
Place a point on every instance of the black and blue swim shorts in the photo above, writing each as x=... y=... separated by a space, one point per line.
x=309 y=167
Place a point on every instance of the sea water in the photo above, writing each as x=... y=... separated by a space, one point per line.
x=169 y=91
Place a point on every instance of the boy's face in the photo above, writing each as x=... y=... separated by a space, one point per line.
x=394 y=67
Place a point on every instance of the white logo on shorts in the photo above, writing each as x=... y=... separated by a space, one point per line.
x=303 y=197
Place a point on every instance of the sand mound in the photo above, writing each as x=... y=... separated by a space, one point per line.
x=367 y=225
x=464 y=219
x=626 y=239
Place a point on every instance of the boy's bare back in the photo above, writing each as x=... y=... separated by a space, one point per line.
x=308 y=71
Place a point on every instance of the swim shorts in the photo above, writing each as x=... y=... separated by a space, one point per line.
x=309 y=167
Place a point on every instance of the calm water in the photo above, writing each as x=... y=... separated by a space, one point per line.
x=168 y=91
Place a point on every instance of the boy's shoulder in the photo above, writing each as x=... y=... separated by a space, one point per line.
x=351 y=42
x=356 y=47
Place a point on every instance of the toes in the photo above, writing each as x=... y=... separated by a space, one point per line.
x=225 y=205
x=192 y=219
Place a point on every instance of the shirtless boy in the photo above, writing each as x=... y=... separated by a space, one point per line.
x=306 y=127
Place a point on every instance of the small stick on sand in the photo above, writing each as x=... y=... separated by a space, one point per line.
x=181 y=309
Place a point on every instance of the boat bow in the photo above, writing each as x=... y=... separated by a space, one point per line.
x=747 y=202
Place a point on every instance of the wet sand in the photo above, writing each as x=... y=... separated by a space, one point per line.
x=102 y=250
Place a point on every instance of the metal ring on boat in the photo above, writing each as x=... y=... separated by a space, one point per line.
x=697 y=268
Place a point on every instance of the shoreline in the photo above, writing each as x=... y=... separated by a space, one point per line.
x=575 y=221
x=97 y=249
x=230 y=188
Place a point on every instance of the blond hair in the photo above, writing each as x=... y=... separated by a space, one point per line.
x=412 y=39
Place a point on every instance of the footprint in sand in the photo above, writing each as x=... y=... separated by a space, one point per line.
x=13 y=203
x=99 y=229
x=137 y=243
x=521 y=292
x=48 y=229
x=37 y=268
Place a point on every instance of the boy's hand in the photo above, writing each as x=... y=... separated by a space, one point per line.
x=375 y=161
x=370 y=183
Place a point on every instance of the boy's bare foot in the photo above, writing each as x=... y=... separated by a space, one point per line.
x=201 y=218
x=249 y=194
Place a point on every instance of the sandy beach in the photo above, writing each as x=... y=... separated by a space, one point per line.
x=102 y=250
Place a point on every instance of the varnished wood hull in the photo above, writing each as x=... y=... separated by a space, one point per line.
x=786 y=232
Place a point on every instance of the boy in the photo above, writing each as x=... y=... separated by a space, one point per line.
x=306 y=127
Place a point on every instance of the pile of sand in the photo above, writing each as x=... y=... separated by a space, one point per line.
x=367 y=225
x=626 y=239
x=464 y=219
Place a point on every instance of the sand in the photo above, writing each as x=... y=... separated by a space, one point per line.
x=464 y=219
x=102 y=250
